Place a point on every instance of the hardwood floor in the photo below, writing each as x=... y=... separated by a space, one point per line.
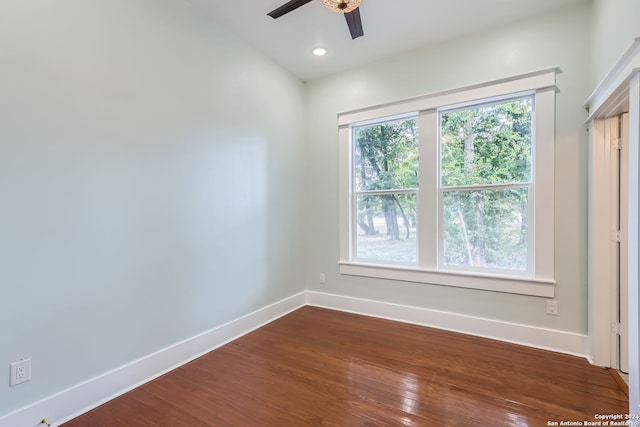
x=317 y=367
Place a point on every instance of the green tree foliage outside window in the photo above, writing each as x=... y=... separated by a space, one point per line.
x=485 y=177
x=386 y=181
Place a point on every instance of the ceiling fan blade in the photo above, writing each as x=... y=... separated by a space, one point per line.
x=355 y=23
x=287 y=7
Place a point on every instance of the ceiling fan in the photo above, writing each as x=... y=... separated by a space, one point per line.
x=349 y=8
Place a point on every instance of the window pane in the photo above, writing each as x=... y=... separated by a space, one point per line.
x=486 y=228
x=486 y=144
x=386 y=227
x=386 y=155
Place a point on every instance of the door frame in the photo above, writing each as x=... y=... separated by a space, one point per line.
x=619 y=92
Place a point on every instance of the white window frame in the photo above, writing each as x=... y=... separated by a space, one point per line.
x=539 y=279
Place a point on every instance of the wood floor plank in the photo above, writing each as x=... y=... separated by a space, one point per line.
x=317 y=367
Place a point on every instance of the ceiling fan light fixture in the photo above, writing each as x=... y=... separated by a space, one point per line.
x=341 y=6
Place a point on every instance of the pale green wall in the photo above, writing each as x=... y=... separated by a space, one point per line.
x=616 y=23
x=148 y=157
x=149 y=181
x=559 y=39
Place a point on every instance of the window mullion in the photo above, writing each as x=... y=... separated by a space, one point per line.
x=346 y=203
x=485 y=187
x=382 y=192
x=428 y=190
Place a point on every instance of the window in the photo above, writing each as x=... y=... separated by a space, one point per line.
x=385 y=179
x=453 y=188
x=485 y=181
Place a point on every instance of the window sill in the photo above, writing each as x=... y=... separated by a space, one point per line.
x=488 y=282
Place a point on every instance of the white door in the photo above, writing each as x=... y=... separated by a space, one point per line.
x=611 y=171
x=617 y=134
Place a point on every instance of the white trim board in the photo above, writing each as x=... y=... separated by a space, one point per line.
x=83 y=397
x=613 y=90
x=537 y=80
x=531 y=336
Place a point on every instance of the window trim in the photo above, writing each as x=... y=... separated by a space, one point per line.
x=540 y=280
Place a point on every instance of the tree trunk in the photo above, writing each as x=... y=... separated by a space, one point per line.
x=523 y=223
x=404 y=217
x=469 y=151
x=391 y=218
x=480 y=245
x=365 y=228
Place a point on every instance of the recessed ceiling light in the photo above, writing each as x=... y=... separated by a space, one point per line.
x=319 y=51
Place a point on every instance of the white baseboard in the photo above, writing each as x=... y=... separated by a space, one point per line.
x=81 y=398
x=547 y=339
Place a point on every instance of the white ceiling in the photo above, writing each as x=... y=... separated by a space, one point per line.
x=390 y=27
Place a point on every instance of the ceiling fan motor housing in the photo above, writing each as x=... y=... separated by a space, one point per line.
x=341 y=6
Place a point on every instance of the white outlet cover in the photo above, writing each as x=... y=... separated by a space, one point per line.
x=552 y=308
x=20 y=372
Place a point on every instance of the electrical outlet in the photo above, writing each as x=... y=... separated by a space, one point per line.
x=552 y=308
x=323 y=278
x=20 y=372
